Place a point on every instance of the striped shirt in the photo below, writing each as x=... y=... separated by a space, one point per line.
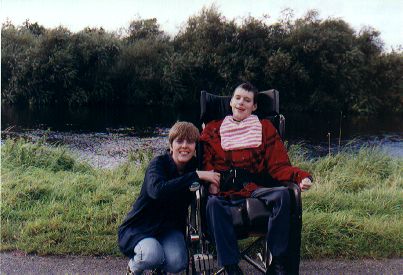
x=243 y=134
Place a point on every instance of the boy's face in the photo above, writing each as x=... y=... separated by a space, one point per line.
x=242 y=104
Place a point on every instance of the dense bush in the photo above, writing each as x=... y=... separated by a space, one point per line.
x=316 y=64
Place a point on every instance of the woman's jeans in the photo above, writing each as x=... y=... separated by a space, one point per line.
x=167 y=252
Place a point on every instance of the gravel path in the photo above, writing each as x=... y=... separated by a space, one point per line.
x=19 y=263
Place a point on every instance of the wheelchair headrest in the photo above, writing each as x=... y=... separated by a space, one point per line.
x=214 y=107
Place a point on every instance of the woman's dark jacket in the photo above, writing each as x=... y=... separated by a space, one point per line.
x=162 y=203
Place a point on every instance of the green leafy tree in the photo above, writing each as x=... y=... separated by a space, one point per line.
x=138 y=74
x=17 y=46
x=94 y=52
x=52 y=71
x=205 y=59
x=34 y=28
x=318 y=65
x=145 y=29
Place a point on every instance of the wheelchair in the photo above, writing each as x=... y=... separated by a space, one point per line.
x=254 y=223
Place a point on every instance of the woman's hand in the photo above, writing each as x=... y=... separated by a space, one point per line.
x=211 y=177
x=305 y=184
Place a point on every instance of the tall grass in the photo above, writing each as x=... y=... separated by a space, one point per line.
x=53 y=204
x=354 y=208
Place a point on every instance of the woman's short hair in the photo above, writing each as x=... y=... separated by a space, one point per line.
x=247 y=86
x=183 y=130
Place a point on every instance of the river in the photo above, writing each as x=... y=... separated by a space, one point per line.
x=112 y=132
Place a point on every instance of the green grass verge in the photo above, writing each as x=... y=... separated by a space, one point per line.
x=53 y=204
x=354 y=208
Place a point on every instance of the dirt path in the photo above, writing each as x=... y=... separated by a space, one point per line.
x=19 y=263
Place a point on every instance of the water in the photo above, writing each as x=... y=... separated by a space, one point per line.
x=319 y=132
x=85 y=119
x=315 y=131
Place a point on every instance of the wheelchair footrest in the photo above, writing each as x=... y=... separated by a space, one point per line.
x=203 y=262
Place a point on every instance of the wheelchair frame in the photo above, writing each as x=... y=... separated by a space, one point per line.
x=200 y=248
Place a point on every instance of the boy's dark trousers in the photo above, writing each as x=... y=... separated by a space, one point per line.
x=283 y=235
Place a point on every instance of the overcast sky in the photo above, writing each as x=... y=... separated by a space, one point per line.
x=384 y=15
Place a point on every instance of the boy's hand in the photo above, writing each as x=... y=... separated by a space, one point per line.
x=305 y=184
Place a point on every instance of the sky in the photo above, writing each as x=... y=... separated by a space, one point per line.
x=385 y=16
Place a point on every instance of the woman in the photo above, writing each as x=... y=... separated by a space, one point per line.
x=253 y=149
x=152 y=234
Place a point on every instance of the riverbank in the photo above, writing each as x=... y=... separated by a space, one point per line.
x=111 y=148
x=99 y=149
x=52 y=203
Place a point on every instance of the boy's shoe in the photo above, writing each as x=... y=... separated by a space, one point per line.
x=277 y=267
x=233 y=269
x=158 y=271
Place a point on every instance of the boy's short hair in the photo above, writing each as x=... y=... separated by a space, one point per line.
x=247 y=86
x=183 y=130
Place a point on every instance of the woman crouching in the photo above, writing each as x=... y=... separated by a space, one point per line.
x=152 y=234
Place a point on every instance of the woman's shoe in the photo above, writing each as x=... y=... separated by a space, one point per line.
x=129 y=271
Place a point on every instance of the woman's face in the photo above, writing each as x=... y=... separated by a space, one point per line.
x=182 y=151
x=242 y=104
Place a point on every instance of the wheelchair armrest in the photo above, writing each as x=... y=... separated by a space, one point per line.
x=257 y=213
x=296 y=191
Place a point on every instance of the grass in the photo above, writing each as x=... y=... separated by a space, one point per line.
x=354 y=208
x=53 y=204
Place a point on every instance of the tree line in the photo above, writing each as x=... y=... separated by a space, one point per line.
x=316 y=64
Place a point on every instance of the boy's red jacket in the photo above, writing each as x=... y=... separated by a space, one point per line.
x=271 y=156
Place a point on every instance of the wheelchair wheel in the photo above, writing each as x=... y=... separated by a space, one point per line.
x=200 y=260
